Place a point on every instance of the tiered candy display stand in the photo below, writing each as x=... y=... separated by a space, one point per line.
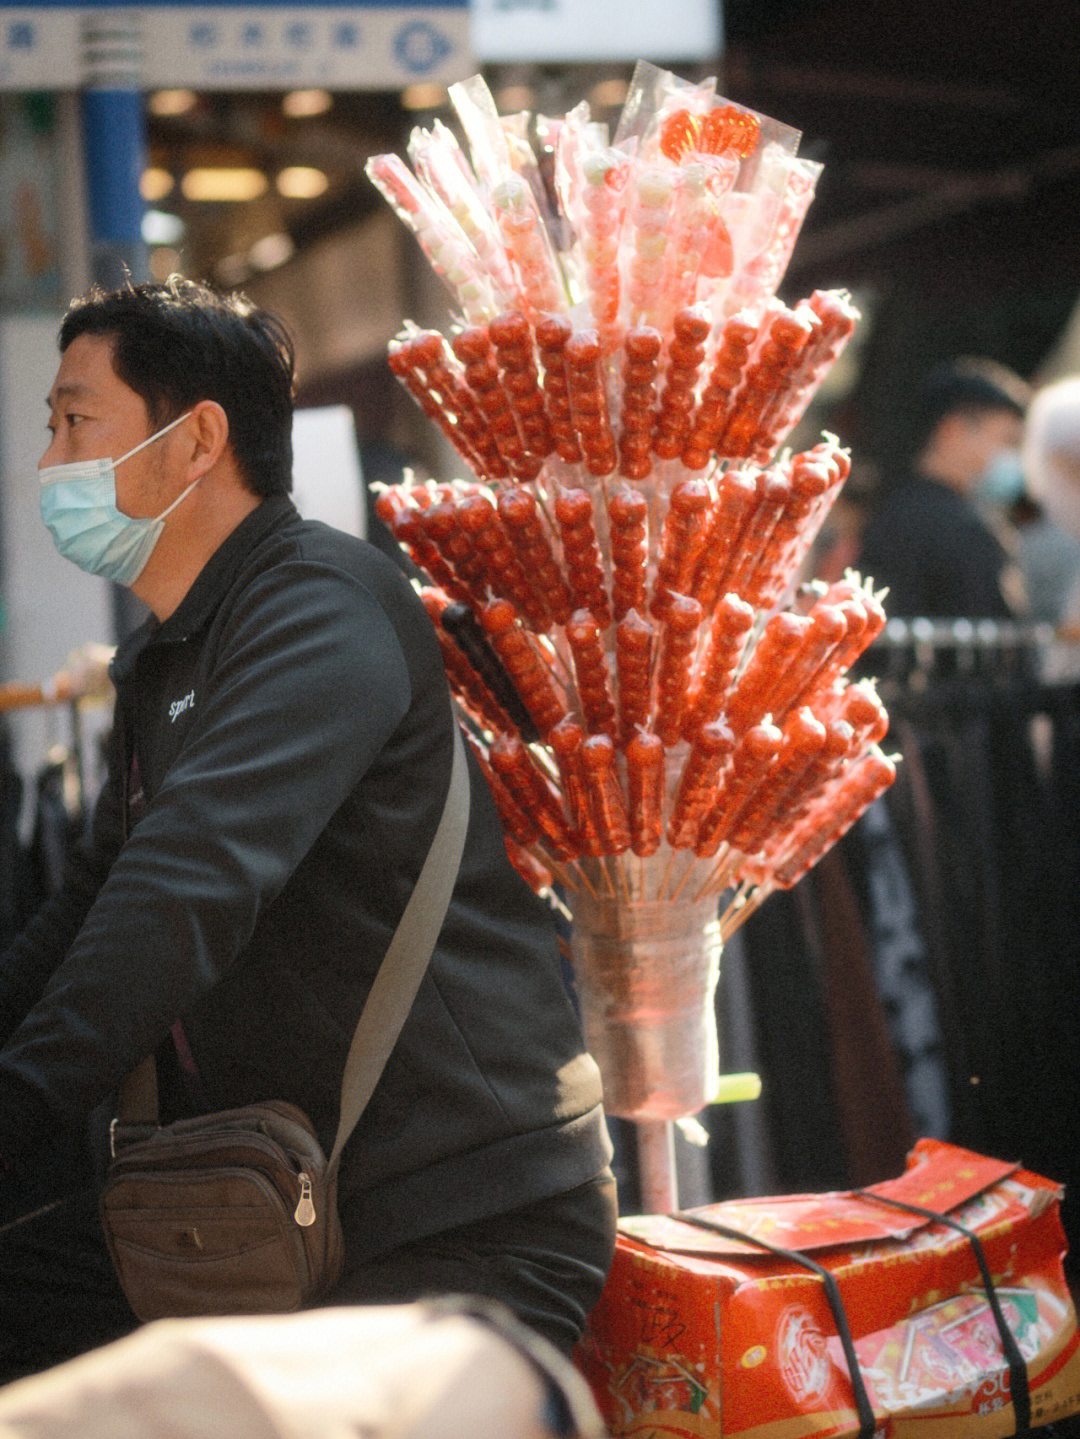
x=661 y=707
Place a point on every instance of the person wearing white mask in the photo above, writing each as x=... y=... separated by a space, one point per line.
x=1051 y=459
x=278 y=767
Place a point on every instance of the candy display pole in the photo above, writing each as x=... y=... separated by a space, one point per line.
x=657 y=1178
x=656 y=694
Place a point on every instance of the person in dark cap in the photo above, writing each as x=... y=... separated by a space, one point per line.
x=927 y=540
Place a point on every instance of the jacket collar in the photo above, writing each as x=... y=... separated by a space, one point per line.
x=208 y=589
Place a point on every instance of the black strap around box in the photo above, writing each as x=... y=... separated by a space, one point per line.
x=1018 y=1378
x=863 y=1407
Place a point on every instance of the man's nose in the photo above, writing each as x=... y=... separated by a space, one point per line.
x=48 y=457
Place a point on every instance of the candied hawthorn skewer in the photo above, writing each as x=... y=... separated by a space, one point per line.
x=752 y=695
x=861 y=706
x=699 y=237
x=858 y=639
x=581 y=554
x=633 y=668
x=536 y=875
x=602 y=203
x=685 y=357
x=552 y=335
x=628 y=519
x=641 y=347
x=682 y=541
x=402 y=518
x=810 y=480
x=837 y=317
x=461 y=624
x=825 y=630
x=512 y=338
x=711 y=749
x=566 y=740
x=678 y=638
x=422 y=363
x=831 y=819
x=837 y=751
x=519 y=824
x=535 y=794
x=506 y=577
x=753 y=756
x=650 y=217
x=440 y=236
x=588 y=403
x=471 y=688
x=441 y=525
x=522 y=228
x=607 y=807
x=728 y=518
x=473 y=347
x=729 y=631
x=773 y=496
x=591 y=672
x=803 y=740
x=526 y=668
x=786 y=335
x=645 y=774
x=714 y=405
x=520 y=515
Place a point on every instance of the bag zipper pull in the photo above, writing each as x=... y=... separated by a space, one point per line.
x=305 y=1209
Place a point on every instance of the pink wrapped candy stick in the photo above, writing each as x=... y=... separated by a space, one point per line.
x=522 y=228
x=439 y=235
x=440 y=163
x=653 y=188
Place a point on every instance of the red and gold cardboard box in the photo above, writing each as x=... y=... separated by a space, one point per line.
x=697 y=1334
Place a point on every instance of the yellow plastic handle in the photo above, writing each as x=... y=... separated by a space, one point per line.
x=730 y=1088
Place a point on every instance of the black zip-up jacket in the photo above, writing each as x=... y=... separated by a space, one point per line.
x=291 y=730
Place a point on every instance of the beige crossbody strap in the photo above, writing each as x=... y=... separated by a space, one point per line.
x=396 y=983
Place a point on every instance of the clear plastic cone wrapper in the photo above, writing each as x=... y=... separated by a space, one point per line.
x=646 y=973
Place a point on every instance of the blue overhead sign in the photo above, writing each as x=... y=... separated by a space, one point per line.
x=208 y=46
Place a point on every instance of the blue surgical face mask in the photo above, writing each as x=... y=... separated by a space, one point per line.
x=78 y=505
x=1002 y=481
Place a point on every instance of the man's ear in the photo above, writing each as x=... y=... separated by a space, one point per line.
x=952 y=428
x=209 y=428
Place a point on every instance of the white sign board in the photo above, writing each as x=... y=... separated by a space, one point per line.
x=584 y=31
x=328 y=483
x=357 y=47
x=363 y=46
x=40 y=48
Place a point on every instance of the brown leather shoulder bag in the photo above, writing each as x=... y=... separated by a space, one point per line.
x=236 y=1212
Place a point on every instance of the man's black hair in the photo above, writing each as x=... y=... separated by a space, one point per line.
x=965 y=386
x=180 y=342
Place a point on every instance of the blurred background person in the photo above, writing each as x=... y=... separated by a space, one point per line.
x=1051 y=460
x=926 y=539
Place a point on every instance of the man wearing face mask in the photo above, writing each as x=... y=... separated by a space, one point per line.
x=931 y=539
x=279 y=764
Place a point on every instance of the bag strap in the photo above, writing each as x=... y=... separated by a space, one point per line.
x=406 y=961
x=396 y=983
